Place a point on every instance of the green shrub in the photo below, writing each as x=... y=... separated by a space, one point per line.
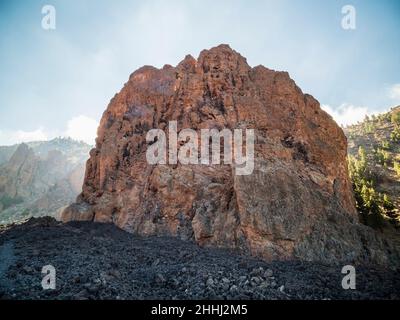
x=387 y=205
x=382 y=156
x=395 y=135
x=396 y=167
x=385 y=145
x=384 y=117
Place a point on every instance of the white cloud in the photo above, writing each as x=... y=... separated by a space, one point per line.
x=394 y=92
x=346 y=114
x=82 y=128
x=12 y=137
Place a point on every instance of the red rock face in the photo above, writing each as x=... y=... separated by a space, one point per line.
x=297 y=203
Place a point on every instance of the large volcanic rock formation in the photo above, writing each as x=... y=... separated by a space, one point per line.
x=298 y=201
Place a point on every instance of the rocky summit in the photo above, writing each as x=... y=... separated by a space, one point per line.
x=296 y=204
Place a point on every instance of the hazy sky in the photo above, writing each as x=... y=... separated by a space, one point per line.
x=59 y=82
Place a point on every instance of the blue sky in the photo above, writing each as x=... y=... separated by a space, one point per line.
x=59 y=82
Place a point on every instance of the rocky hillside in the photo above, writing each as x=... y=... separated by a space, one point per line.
x=40 y=177
x=296 y=203
x=100 y=261
x=374 y=149
x=6 y=153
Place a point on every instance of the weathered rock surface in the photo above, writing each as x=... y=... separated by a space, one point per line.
x=297 y=203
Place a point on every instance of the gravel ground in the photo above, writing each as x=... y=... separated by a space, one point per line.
x=100 y=261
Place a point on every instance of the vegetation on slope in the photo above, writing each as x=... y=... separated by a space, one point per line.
x=374 y=167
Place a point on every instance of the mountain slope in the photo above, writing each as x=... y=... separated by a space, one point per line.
x=374 y=159
x=101 y=261
x=41 y=177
